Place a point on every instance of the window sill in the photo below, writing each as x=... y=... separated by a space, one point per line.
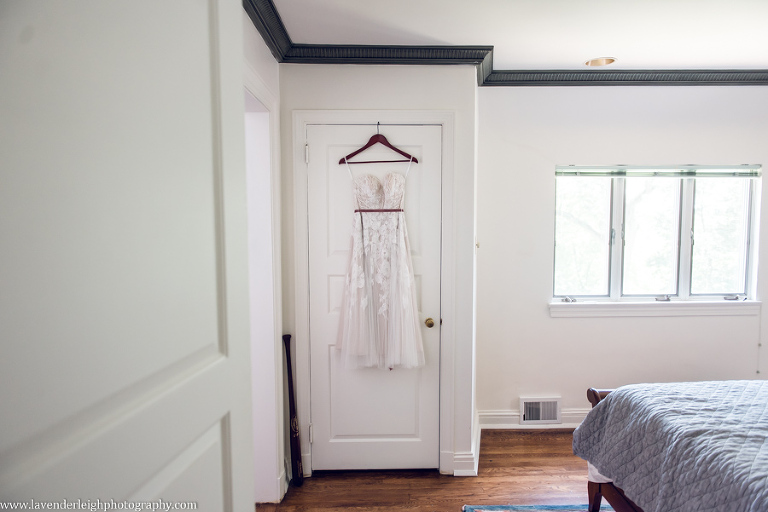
x=682 y=308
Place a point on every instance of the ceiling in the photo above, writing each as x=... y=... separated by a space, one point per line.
x=539 y=35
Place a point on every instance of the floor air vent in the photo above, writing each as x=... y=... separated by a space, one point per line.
x=539 y=410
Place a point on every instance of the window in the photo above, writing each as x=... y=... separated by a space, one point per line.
x=655 y=234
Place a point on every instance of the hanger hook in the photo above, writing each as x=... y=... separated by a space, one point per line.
x=377 y=127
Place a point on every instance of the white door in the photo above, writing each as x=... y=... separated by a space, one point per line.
x=123 y=284
x=372 y=418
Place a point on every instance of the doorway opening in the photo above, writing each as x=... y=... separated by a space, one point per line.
x=266 y=353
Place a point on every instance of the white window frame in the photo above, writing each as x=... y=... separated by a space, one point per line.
x=683 y=303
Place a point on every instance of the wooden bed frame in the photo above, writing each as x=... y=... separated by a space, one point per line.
x=597 y=491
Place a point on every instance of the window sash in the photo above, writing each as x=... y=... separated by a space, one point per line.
x=686 y=206
x=674 y=213
x=743 y=247
x=570 y=254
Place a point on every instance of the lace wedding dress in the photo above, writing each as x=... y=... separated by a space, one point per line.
x=380 y=324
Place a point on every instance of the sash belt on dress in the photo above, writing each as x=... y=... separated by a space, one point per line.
x=380 y=210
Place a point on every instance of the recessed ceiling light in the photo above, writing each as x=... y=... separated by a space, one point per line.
x=600 y=61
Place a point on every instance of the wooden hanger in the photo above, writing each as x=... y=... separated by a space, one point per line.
x=378 y=139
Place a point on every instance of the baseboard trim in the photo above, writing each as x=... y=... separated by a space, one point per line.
x=510 y=419
x=282 y=484
x=466 y=463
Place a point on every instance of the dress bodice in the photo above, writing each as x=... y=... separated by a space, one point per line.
x=379 y=320
x=372 y=193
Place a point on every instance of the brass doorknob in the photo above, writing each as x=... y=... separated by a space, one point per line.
x=429 y=322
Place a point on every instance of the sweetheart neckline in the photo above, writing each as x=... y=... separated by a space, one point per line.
x=376 y=177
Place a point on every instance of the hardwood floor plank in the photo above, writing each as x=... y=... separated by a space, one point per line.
x=517 y=467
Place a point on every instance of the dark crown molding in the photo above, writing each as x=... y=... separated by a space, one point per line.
x=480 y=56
x=628 y=77
x=267 y=21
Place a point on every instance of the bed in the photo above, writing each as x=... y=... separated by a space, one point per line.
x=677 y=447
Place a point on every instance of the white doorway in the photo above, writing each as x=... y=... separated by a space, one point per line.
x=262 y=180
x=371 y=418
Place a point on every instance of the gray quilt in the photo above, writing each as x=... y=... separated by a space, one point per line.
x=698 y=447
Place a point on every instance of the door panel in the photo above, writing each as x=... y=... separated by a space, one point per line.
x=372 y=418
x=122 y=312
x=396 y=404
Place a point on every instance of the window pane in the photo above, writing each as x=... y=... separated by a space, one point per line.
x=720 y=223
x=582 y=236
x=651 y=234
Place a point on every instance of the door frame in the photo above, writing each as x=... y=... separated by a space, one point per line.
x=445 y=119
x=267 y=359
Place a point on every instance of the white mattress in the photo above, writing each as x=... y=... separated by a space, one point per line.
x=594 y=475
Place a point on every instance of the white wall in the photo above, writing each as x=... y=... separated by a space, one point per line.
x=261 y=79
x=345 y=87
x=523 y=134
x=259 y=58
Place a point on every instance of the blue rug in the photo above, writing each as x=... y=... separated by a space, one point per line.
x=530 y=508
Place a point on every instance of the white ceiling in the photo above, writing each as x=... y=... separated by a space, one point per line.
x=550 y=34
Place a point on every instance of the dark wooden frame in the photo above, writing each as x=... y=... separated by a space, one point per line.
x=597 y=491
x=267 y=21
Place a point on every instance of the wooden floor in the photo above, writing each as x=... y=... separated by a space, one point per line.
x=518 y=467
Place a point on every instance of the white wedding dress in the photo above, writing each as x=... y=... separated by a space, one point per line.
x=380 y=324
